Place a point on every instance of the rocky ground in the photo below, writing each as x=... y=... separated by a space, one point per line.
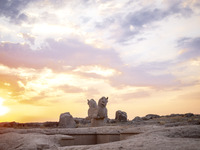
x=172 y=132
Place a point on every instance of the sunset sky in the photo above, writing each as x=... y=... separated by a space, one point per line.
x=142 y=54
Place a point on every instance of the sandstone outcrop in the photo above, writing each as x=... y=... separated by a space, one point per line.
x=66 y=121
x=152 y=116
x=137 y=119
x=121 y=116
x=132 y=137
x=189 y=114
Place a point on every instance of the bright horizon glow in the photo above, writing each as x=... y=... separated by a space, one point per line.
x=3 y=109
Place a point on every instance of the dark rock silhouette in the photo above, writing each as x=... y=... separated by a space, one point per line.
x=152 y=116
x=121 y=116
x=137 y=119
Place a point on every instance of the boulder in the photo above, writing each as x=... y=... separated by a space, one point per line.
x=111 y=121
x=176 y=115
x=189 y=114
x=66 y=121
x=137 y=119
x=83 y=121
x=50 y=124
x=121 y=116
x=152 y=116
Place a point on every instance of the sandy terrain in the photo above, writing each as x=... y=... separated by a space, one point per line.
x=162 y=133
x=150 y=137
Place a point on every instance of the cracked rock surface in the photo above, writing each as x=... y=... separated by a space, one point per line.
x=149 y=137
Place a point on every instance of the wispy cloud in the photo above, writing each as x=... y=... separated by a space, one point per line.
x=190 y=48
x=139 y=21
x=58 y=53
x=13 y=10
x=138 y=76
x=135 y=95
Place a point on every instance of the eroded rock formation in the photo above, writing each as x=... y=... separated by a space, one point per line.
x=66 y=121
x=121 y=116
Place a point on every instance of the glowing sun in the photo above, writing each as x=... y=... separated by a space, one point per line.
x=3 y=109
